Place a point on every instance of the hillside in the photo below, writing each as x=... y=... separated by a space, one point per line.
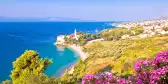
x=120 y=56
x=116 y=55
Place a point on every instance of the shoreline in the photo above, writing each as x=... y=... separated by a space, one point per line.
x=69 y=67
x=76 y=49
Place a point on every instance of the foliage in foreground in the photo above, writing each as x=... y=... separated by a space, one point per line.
x=29 y=68
x=147 y=72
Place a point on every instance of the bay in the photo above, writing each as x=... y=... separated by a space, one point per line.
x=16 y=37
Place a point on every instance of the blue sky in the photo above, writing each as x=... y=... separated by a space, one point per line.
x=100 y=10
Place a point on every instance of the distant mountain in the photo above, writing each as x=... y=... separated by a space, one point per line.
x=48 y=19
x=65 y=19
x=163 y=17
x=22 y=19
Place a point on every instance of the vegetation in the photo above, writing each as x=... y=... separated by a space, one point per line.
x=114 y=55
x=136 y=30
x=82 y=39
x=76 y=77
x=121 y=55
x=116 y=33
x=118 y=57
x=165 y=28
x=29 y=68
x=153 y=71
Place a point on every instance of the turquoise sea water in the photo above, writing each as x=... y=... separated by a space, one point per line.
x=16 y=37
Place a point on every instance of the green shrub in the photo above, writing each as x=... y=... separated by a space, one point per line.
x=165 y=28
x=114 y=34
x=136 y=30
x=82 y=39
x=38 y=79
x=29 y=63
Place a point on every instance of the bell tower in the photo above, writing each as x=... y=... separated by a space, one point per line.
x=75 y=34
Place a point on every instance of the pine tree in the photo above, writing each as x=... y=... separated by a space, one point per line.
x=29 y=63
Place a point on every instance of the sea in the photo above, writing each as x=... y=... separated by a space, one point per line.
x=16 y=37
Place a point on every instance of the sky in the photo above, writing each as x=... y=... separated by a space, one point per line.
x=98 y=10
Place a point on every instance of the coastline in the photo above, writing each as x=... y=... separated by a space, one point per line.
x=76 y=49
x=69 y=67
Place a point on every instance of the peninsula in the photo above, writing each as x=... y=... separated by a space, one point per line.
x=76 y=40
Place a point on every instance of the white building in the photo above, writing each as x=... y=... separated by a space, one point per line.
x=144 y=35
x=163 y=32
x=60 y=38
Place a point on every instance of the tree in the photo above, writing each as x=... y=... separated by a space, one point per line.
x=66 y=39
x=29 y=63
x=39 y=79
x=165 y=28
x=114 y=34
x=137 y=30
x=93 y=36
x=97 y=36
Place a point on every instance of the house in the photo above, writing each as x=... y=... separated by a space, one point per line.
x=60 y=38
x=143 y=35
